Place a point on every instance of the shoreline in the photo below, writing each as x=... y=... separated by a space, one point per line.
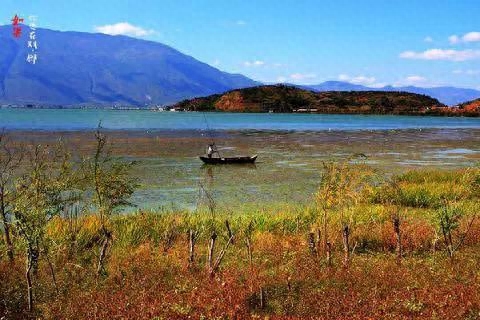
x=299 y=112
x=168 y=132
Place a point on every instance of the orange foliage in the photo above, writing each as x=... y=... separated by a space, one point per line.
x=232 y=101
x=473 y=106
x=145 y=282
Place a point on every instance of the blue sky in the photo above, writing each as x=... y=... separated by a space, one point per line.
x=370 y=42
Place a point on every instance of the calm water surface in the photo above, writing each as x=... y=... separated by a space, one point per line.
x=60 y=119
x=290 y=148
x=288 y=168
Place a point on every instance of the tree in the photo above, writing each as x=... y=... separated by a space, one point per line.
x=449 y=215
x=391 y=199
x=40 y=196
x=448 y=218
x=10 y=160
x=112 y=187
x=340 y=188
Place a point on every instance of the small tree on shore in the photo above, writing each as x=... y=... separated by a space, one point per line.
x=112 y=187
x=328 y=195
x=393 y=192
x=10 y=159
x=40 y=196
x=449 y=215
x=340 y=188
x=448 y=218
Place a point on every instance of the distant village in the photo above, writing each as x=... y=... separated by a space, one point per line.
x=111 y=107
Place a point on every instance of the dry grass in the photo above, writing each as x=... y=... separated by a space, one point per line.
x=149 y=276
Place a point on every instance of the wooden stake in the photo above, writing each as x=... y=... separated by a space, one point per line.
x=262 y=298
x=230 y=233
x=311 y=244
x=28 y=277
x=249 y=250
x=329 y=254
x=191 y=247
x=211 y=249
x=346 y=245
x=319 y=240
x=396 y=228
x=214 y=269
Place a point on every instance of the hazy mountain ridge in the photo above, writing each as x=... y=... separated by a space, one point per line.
x=76 y=68
x=447 y=95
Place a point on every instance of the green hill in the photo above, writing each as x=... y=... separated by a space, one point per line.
x=282 y=98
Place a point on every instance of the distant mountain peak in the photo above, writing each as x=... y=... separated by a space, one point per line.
x=78 y=68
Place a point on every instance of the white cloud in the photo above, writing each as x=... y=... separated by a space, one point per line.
x=378 y=85
x=473 y=36
x=124 y=28
x=472 y=72
x=468 y=72
x=453 y=39
x=255 y=63
x=240 y=23
x=216 y=63
x=298 y=78
x=363 y=80
x=302 y=76
x=415 y=79
x=428 y=39
x=411 y=81
x=442 y=54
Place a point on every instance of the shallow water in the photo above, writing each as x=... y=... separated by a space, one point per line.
x=288 y=167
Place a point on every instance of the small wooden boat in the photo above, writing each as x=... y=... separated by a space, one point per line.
x=212 y=150
x=232 y=160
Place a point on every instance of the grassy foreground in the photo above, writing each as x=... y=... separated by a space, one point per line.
x=412 y=250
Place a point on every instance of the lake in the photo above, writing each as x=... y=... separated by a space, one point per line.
x=288 y=168
x=290 y=148
x=86 y=119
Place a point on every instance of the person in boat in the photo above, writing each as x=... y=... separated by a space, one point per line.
x=211 y=150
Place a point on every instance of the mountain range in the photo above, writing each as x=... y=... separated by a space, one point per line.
x=75 y=68
x=447 y=95
x=78 y=68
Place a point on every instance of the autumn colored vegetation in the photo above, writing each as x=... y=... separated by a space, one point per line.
x=472 y=107
x=369 y=246
x=284 y=98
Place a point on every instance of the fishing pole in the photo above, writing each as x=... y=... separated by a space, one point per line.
x=210 y=134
